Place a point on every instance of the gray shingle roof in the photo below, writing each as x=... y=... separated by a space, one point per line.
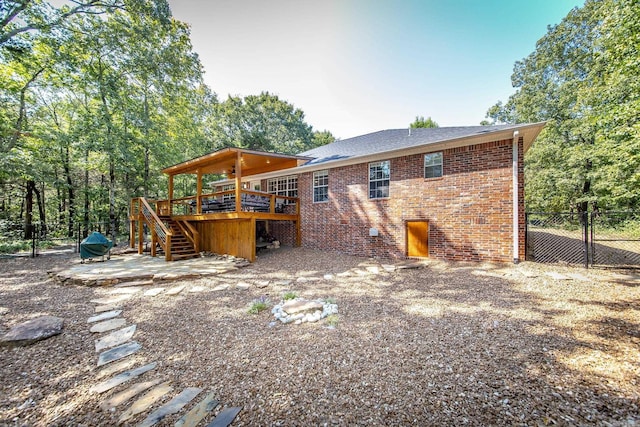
x=393 y=139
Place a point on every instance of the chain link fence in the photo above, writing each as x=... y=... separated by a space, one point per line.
x=602 y=239
x=31 y=239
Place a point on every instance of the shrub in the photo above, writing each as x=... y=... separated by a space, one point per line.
x=289 y=295
x=259 y=305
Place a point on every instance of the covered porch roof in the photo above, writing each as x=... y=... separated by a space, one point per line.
x=236 y=162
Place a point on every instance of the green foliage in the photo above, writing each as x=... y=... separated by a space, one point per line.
x=261 y=122
x=289 y=295
x=330 y=300
x=584 y=80
x=421 y=122
x=259 y=305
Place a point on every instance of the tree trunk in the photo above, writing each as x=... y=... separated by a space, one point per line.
x=72 y=205
x=85 y=219
x=28 y=214
x=41 y=210
x=112 y=201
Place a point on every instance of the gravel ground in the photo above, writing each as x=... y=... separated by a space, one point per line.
x=448 y=344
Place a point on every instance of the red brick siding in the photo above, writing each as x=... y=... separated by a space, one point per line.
x=469 y=209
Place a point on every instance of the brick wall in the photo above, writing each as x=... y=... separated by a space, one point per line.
x=469 y=208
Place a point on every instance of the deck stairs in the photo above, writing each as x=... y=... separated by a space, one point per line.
x=181 y=246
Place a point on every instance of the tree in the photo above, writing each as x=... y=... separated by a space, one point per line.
x=421 y=122
x=582 y=79
x=261 y=122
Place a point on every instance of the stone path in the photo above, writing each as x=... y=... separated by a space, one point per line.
x=116 y=347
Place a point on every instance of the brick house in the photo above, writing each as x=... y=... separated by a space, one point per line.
x=452 y=193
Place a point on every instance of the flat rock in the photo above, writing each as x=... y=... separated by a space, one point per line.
x=175 y=290
x=197 y=289
x=32 y=331
x=122 y=378
x=119 y=352
x=260 y=284
x=107 y=307
x=115 y=338
x=123 y=284
x=225 y=417
x=107 y=325
x=198 y=412
x=173 y=406
x=104 y=316
x=145 y=402
x=222 y=287
x=125 y=290
x=299 y=306
x=243 y=285
x=111 y=300
x=123 y=396
x=153 y=292
x=117 y=367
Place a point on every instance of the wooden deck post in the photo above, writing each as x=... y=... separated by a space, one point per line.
x=170 y=195
x=238 y=181
x=199 y=192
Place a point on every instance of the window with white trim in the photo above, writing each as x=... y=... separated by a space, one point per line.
x=229 y=196
x=320 y=186
x=379 y=174
x=284 y=186
x=433 y=165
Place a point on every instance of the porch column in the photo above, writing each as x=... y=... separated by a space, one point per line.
x=238 y=181
x=170 y=195
x=199 y=192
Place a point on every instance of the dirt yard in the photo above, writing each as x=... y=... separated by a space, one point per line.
x=447 y=344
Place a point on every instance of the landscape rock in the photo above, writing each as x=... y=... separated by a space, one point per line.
x=31 y=331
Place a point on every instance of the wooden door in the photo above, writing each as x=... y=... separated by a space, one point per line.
x=418 y=238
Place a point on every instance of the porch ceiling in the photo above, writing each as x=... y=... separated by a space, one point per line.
x=224 y=161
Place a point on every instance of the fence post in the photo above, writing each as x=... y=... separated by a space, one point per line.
x=34 y=232
x=585 y=237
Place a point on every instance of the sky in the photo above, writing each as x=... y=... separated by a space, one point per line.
x=359 y=66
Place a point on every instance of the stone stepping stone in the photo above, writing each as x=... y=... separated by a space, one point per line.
x=298 y=306
x=107 y=325
x=116 y=367
x=145 y=402
x=115 y=338
x=111 y=300
x=175 y=291
x=122 y=378
x=222 y=287
x=123 y=396
x=173 y=406
x=153 y=292
x=31 y=331
x=198 y=412
x=225 y=417
x=125 y=291
x=104 y=316
x=119 y=352
x=243 y=285
x=197 y=289
x=107 y=307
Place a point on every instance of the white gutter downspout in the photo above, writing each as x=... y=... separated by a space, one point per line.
x=516 y=213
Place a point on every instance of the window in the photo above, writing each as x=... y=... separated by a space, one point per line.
x=379 y=173
x=284 y=186
x=433 y=165
x=320 y=186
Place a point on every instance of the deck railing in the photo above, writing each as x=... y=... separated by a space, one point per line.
x=224 y=202
x=159 y=232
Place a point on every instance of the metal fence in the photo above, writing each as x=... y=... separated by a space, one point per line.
x=46 y=235
x=603 y=239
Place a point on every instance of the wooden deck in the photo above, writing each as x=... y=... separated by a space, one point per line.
x=219 y=231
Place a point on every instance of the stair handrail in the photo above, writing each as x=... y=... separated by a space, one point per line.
x=156 y=224
x=190 y=233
